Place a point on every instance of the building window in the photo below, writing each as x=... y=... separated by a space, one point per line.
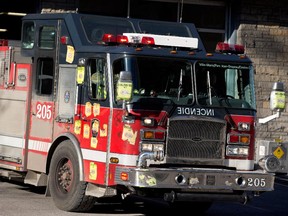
x=154 y=10
x=211 y=25
x=209 y=17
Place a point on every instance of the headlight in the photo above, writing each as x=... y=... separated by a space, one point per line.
x=146 y=147
x=149 y=147
x=243 y=126
x=148 y=121
x=237 y=151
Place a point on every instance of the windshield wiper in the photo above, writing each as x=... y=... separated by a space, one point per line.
x=180 y=84
x=209 y=87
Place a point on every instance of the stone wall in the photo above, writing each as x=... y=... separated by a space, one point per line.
x=264 y=30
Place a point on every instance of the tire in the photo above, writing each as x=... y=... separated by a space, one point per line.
x=67 y=191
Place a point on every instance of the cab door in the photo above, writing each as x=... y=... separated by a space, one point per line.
x=43 y=94
x=95 y=114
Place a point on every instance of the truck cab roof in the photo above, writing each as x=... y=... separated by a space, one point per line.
x=86 y=31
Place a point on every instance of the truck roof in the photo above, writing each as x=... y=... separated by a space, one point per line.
x=94 y=25
x=86 y=31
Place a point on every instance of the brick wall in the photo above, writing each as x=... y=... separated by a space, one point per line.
x=264 y=30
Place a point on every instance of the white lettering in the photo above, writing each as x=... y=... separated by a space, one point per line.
x=195 y=111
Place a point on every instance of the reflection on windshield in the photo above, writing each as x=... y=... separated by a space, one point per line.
x=223 y=85
x=161 y=78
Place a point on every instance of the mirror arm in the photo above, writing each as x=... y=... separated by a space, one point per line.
x=269 y=118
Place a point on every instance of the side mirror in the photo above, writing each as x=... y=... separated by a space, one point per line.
x=277 y=97
x=80 y=71
x=80 y=74
x=124 y=86
x=277 y=102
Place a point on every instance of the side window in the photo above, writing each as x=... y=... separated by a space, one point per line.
x=44 y=76
x=96 y=70
x=28 y=35
x=47 y=35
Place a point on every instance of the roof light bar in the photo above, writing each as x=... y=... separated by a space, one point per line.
x=229 y=48
x=109 y=38
x=147 y=40
x=163 y=40
x=121 y=39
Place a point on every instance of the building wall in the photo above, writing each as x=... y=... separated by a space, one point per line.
x=264 y=30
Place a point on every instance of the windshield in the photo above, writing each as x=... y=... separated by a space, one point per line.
x=159 y=78
x=179 y=81
x=220 y=84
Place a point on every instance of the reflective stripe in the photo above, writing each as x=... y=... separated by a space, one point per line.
x=39 y=146
x=100 y=156
x=93 y=155
x=12 y=141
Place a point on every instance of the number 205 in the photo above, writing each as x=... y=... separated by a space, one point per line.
x=256 y=182
x=44 y=111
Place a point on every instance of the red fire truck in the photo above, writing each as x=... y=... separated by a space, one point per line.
x=97 y=107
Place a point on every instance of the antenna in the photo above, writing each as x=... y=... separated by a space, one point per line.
x=128 y=9
x=181 y=11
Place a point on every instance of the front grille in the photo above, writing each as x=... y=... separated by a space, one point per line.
x=195 y=139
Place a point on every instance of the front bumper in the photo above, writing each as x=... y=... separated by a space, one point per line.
x=196 y=179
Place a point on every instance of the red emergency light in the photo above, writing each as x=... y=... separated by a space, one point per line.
x=119 y=39
x=64 y=40
x=229 y=48
x=148 y=41
x=123 y=39
x=109 y=38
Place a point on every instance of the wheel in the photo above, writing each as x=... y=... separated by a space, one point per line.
x=67 y=191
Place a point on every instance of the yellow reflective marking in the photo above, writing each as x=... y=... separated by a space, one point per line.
x=278 y=152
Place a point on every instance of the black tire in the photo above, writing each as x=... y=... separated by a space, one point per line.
x=67 y=191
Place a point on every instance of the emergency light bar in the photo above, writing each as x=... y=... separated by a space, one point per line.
x=163 y=40
x=229 y=48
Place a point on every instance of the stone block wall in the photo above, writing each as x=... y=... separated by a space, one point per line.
x=264 y=31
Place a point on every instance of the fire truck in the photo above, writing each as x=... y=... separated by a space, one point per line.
x=99 y=107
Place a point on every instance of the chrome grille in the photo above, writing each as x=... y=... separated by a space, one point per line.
x=193 y=139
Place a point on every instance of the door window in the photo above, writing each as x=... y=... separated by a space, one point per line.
x=45 y=75
x=97 y=82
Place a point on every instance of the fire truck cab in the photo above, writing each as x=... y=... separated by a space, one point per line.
x=95 y=106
